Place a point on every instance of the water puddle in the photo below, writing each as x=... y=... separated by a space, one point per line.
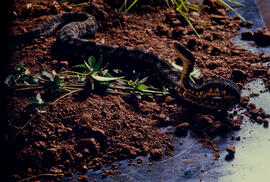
x=249 y=12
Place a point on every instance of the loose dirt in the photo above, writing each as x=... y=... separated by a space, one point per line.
x=79 y=133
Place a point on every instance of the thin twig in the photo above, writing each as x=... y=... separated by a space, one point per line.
x=41 y=175
x=29 y=88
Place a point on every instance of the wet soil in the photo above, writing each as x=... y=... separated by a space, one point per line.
x=80 y=133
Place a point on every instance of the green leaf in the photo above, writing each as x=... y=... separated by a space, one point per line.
x=61 y=70
x=91 y=61
x=48 y=75
x=143 y=80
x=80 y=66
x=106 y=79
x=20 y=65
x=97 y=66
x=195 y=73
x=32 y=101
x=88 y=67
x=107 y=74
x=141 y=87
x=57 y=80
x=176 y=66
x=39 y=99
x=130 y=82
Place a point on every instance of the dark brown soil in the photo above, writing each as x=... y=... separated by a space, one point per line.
x=261 y=36
x=77 y=134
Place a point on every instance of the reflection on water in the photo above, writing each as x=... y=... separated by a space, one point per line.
x=252 y=156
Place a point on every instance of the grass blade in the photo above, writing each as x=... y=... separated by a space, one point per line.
x=186 y=18
x=106 y=79
x=184 y=6
x=175 y=2
x=236 y=2
x=228 y=6
x=130 y=6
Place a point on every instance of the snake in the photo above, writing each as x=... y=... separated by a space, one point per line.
x=75 y=29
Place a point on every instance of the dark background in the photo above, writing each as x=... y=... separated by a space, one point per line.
x=3 y=67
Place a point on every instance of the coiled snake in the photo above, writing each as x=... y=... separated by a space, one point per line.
x=217 y=93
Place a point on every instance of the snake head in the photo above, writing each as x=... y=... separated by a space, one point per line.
x=184 y=53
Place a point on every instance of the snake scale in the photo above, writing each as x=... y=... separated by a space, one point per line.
x=217 y=93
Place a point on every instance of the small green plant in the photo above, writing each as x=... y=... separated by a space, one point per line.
x=37 y=102
x=92 y=71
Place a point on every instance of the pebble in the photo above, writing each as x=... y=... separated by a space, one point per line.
x=230 y=149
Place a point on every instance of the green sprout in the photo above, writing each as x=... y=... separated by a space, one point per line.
x=92 y=71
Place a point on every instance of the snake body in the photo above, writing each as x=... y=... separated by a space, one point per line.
x=217 y=93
